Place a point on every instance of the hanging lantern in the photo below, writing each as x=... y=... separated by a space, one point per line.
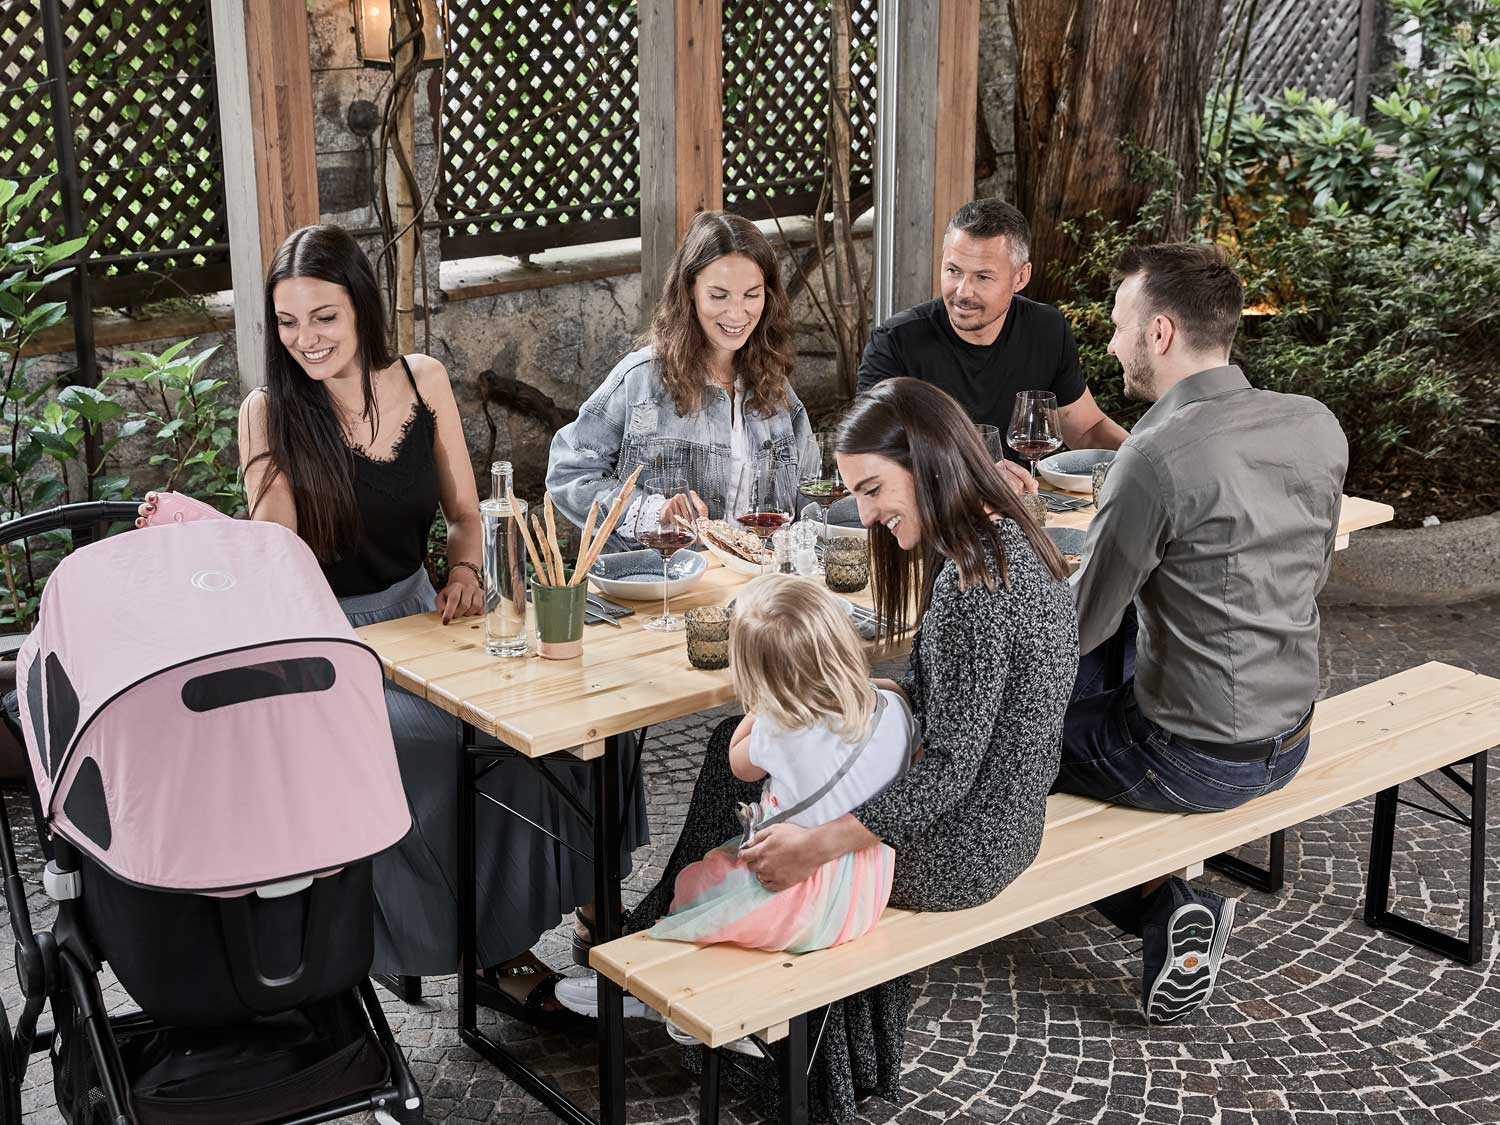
x=373 y=38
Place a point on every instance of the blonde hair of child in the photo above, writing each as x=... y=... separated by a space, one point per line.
x=796 y=657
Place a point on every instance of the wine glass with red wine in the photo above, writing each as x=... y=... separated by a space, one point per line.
x=1034 y=429
x=766 y=492
x=666 y=528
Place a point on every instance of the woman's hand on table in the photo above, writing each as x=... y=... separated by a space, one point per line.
x=463 y=596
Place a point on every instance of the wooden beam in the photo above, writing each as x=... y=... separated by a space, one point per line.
x=681 y=124
x=264 y=78
x=929 y=95
x=957 y=111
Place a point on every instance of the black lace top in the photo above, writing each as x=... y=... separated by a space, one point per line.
x=398 y=498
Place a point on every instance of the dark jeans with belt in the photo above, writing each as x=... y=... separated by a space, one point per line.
x=1112 y=752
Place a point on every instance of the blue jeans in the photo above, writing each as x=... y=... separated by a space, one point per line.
x=1112 y=752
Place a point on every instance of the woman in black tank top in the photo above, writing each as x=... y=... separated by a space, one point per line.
x=356 y=449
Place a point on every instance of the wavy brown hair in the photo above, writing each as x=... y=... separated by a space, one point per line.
x=764 y=364
x=304 y=438
x=957 y=487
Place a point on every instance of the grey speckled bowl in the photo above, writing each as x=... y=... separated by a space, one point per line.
x=1073 y=471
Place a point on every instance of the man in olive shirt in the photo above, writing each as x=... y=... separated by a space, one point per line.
x=1214 y=535
x=982 y=341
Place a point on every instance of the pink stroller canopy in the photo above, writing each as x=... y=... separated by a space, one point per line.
x=201 y=717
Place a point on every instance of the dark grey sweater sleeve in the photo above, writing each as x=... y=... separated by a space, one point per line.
x=961 y=694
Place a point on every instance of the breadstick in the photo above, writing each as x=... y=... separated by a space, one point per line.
x=562 y=575
x=536 y=563
x=542 y=548
x=588 y=528
x=616 y=510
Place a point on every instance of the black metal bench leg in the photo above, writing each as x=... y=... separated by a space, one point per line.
x=792 y=1063
x=708 y=1090
x=1270 y=878
x=1378 y=914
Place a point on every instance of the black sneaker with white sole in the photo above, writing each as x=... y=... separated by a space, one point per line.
x=1182 y=953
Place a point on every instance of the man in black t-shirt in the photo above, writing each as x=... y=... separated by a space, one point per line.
x=982 y=342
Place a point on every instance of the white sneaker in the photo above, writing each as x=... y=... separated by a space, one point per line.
x=581 y=995
x=745 y=1046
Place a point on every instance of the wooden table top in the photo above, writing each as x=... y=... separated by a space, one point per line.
x=627 y=678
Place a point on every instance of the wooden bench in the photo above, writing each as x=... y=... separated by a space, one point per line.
x=1367 y=741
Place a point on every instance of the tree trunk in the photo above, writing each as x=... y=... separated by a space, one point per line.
x=405 y=68
x=1090 y=75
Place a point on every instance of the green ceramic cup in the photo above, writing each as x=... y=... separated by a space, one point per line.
x=559 y=620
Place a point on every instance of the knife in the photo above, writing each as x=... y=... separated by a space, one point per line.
x=591 y=615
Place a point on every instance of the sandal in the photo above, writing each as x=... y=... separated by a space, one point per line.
x=582 y=945
x=533 y=1010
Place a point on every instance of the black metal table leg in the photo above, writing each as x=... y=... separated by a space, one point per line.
x=607 y=924
x=472 y=990
x=1468 y=950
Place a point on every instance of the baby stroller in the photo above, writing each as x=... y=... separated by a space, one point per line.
x=212 y=772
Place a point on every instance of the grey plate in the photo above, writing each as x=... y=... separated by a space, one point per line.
x=1068 y=540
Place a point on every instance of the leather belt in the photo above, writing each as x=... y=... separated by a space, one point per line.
x=1250 y=751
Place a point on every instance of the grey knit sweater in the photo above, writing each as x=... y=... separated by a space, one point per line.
x=989 y=679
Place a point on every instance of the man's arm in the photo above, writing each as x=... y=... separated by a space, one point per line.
x=1085 y=426
x=1127 y=539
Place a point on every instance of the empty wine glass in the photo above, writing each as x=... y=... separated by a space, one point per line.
x=993 y=444
x=1034 y=429
x=665 y=527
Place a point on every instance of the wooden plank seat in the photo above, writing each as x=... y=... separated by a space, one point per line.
x=1366 y=741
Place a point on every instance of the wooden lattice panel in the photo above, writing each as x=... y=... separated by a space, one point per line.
x=26 y=118
x=1313 y=47
x=776 y=103
x=540 y=126
x=145 y=132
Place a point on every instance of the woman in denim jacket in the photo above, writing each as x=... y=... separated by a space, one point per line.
x=708 y=397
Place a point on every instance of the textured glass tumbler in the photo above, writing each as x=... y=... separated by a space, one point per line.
x=708 y=636
x=846 y=565
x=1100 y=470
x=1036 y=507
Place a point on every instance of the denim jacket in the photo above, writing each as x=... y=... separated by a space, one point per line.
x=631 y=420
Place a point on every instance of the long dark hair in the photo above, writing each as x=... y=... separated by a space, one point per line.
x=957 y=486
x=305 y=439
x=765 y=361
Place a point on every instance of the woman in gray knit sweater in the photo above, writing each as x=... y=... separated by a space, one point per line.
x=992 y=666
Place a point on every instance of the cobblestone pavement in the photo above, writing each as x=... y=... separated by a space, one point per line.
x=1316 y=1020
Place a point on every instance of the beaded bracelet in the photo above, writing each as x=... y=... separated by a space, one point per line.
x=452 y=566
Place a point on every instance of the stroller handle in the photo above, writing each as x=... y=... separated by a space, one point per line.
x=80 y=519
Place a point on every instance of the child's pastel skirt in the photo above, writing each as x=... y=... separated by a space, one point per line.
x=718 y=899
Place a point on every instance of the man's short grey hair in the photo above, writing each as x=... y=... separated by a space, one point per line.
x=995 y=218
